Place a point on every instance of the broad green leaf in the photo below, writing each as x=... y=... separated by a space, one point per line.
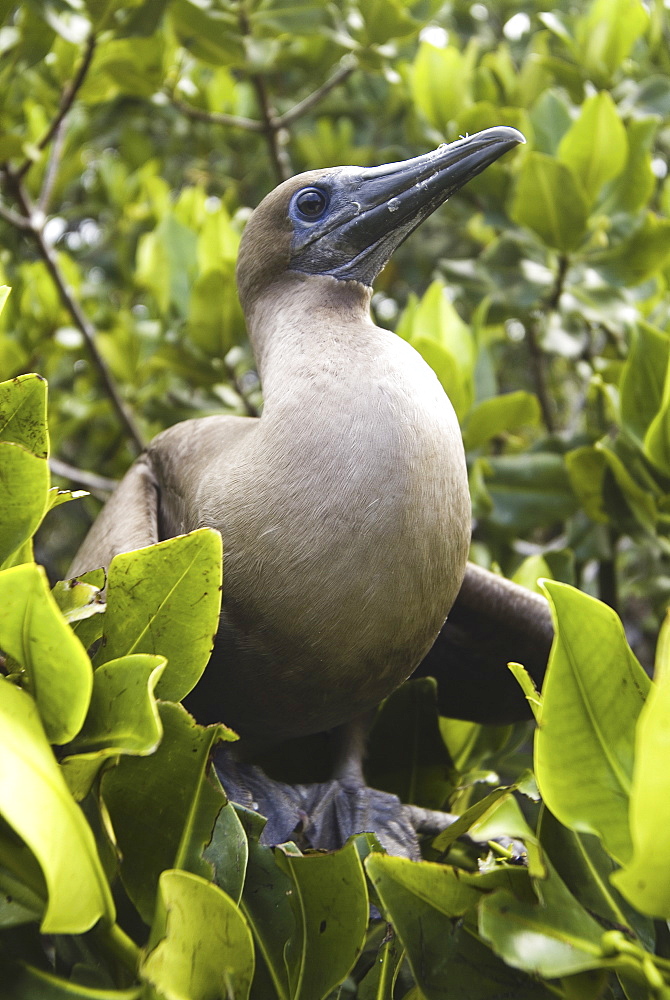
x=553 y=936
x=585 y=868
x=77 y=600
x=211 y=34
x=606 y=34
x=200 y=945
x=164 y=807
x=215 y=320
x=166 y=264
x=441 y=82
x=330 y=906
x=640 y=256
x=550 y=119
x=36 y=803
x=632 y=189
x=266 y=905
x=386 y=19
x=549 y=199
x=23 y=413
x=500 y=415
x=4 y=295
x=425 y=903
x=406 y=754
x=56 y=497
x=528 y=490
x=643 y=378
x=595 y=146
x=592 y=695
x=631 y=476
x=645 y=880
x=24 y=484
x=122 y=718
x=33 y=632
x=166 y=599
x=380 y=981
x=436 y=331
x=586 y=468
x=657 y=435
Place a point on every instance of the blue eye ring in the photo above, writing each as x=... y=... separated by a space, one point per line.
x=310 y=203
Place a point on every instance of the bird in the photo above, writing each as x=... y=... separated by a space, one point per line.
x=344 y=508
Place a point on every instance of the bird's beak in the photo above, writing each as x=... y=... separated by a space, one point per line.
x=372 y=210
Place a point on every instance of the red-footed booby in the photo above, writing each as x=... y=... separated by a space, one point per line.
x=344 y=509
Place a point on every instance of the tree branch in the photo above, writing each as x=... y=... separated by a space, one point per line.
x=35 y=225
x=51 y=171
x=278 y=155
x=216 y=117
x=347 y=67
x=91 y=481
x=537 y=357
x=66 y=101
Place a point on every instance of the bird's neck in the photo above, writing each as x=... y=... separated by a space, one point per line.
x=308 y=327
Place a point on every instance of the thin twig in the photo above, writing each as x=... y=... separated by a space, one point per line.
x=540 y=376
x=51 y=171
x=216 y=117
x=347 y=67
x=537 y=357
x=90 y=481
x=35 y=219
x=13 y=218
x=66 y=101
x=302 y=107
x=278 y=155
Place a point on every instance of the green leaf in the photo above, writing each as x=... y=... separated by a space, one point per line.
x=592 y=695
x=200 y=945
x=166 y=599
x=500 y=415
x=442 y=82
x=4 y=295
x=632 y=189
x=549 y=199
x=330 y=906
x=607 y=33
x=386 y=19
x=164 y=807
x=596 y=145
x=644 y=881
x=640 y=256
x=36 y=803
x=122 y=718
x=445 y=342
x=550 y=937
x=643 y=378
x=209 y=33
x=585 y=868
x=425 y=903
x=380 y=981
x=657 y=435
x=528 y=490
x=23 y=413
x=166 y=264
x=77 y=600
x=24 y=484
x=33 y=632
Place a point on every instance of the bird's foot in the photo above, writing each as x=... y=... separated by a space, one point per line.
x=325 y=814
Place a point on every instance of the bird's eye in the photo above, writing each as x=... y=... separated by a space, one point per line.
x=311 y=203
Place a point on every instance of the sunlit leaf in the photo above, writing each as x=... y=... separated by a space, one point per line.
x=36 y=803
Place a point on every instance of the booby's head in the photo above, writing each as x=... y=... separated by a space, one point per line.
x=346 y=222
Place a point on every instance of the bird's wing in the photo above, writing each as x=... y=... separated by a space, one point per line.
x=128 y=521
x=492 y=622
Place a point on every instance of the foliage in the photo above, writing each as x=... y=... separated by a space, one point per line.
x=134 y=139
